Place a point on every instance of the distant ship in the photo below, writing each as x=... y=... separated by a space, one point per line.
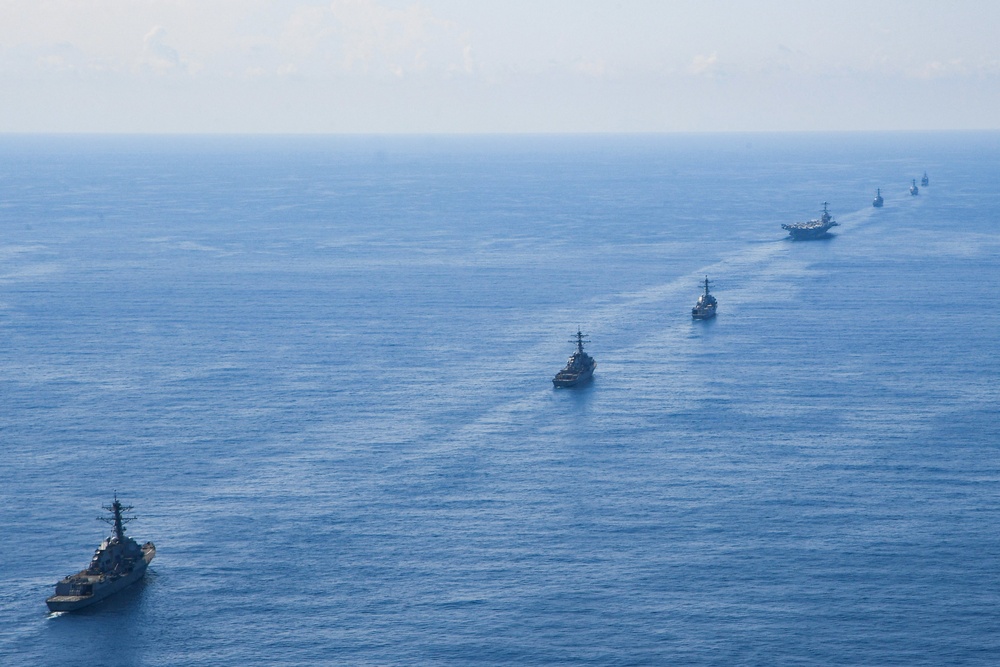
x=117 y=563
x=705 y=308
x=914 y=190
x=925 y=181
x=812 y=229
x=579 y=368
x=877 y=202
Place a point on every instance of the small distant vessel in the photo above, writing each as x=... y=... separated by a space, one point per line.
x=706 y=306
x=914 y=190
x=812 y=229
x=117 y=563
x=925 y=181
x=877 y=202
x=579 y=368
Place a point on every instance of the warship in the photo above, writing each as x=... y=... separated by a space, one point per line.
x=579 y=368
x=117 y=563
x=705 y=308
x=813 y=229
x=877 y=202
x=914 y=190
x=925 y=181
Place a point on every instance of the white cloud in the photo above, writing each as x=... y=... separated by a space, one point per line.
x=375 y=38
x=937 y=69
x=468 y=61
x=537 y=65
x=156 y=53
x=368 y=38
x=704 y=65
x=61 y=58
x=595 y=68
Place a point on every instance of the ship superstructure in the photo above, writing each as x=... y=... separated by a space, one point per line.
x=117 y=563
x=877 y=202
x=579 y=367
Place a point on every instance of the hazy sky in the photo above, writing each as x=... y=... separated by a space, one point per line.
x=303 y=66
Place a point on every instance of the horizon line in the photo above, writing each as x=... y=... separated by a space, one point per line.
x=380 y=134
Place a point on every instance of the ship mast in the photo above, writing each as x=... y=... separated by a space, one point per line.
x=706 y=285
x=579 y=339
x=117 y=520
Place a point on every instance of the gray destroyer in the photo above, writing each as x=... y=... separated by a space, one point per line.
x=117 y=563
x=579 y=368
x=812 y=229
x=706 y=306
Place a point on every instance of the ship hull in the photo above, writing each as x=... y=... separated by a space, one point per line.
x=703 y=313
x=808 y=234
x=102 y=589
x=573 y=379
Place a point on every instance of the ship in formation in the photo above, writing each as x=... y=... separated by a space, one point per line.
x=579 y=368
x=812 y=229
x=117 y=563
x=706 y=306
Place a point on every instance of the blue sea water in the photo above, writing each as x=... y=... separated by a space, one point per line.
x=320 y=369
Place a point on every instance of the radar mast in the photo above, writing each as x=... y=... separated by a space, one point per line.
x=117 y=520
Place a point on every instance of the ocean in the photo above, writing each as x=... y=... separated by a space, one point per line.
x=320 y=370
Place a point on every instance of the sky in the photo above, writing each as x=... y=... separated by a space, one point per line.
x=492 y=66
